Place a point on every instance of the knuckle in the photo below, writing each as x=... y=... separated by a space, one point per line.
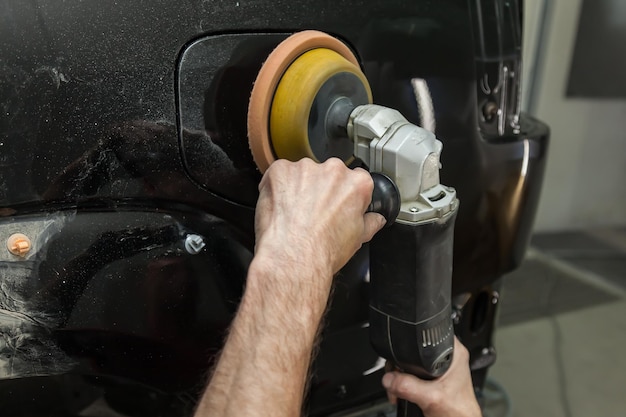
x=277 y=166
x=303 y=163
x=363 y=175
x=335 y=163
x=365 y=183
x=335 y=167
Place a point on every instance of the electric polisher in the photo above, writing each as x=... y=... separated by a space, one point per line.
x=311 y=99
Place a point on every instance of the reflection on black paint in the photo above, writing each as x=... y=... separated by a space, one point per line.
x=141 y=159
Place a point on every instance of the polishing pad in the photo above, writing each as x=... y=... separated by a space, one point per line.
x=301 y=100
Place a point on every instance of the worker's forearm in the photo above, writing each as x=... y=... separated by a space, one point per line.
x=264 y=364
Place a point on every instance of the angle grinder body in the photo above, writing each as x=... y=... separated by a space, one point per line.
x=311 y=99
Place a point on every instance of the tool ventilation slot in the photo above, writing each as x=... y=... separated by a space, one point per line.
x=435 y=335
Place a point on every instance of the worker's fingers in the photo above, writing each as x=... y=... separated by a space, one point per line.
x=389 y=367
x=362 y=181
x=373 y=222
x=434 y=397
x=411 y=388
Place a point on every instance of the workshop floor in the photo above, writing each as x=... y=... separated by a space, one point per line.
x=561 y=339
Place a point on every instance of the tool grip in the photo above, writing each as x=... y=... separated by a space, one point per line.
x=385 y=197
x=408 y=409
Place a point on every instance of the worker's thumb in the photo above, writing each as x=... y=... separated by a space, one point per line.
x=373 y=223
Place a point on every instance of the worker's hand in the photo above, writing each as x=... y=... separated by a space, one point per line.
x=310 y=212
x=450 y=395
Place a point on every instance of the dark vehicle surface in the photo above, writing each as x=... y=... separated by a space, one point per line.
x=124 y=160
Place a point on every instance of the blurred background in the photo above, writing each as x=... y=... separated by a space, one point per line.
x=560 y=349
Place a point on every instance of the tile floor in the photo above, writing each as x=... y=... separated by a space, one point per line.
x=561 y=339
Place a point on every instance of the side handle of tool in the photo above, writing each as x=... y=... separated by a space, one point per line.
x=385 y=197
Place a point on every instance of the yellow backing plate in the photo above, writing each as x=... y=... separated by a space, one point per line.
x=293 y=100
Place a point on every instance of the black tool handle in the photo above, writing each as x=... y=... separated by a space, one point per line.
x=410 y=291
x=408 y=409
x=385 y=197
